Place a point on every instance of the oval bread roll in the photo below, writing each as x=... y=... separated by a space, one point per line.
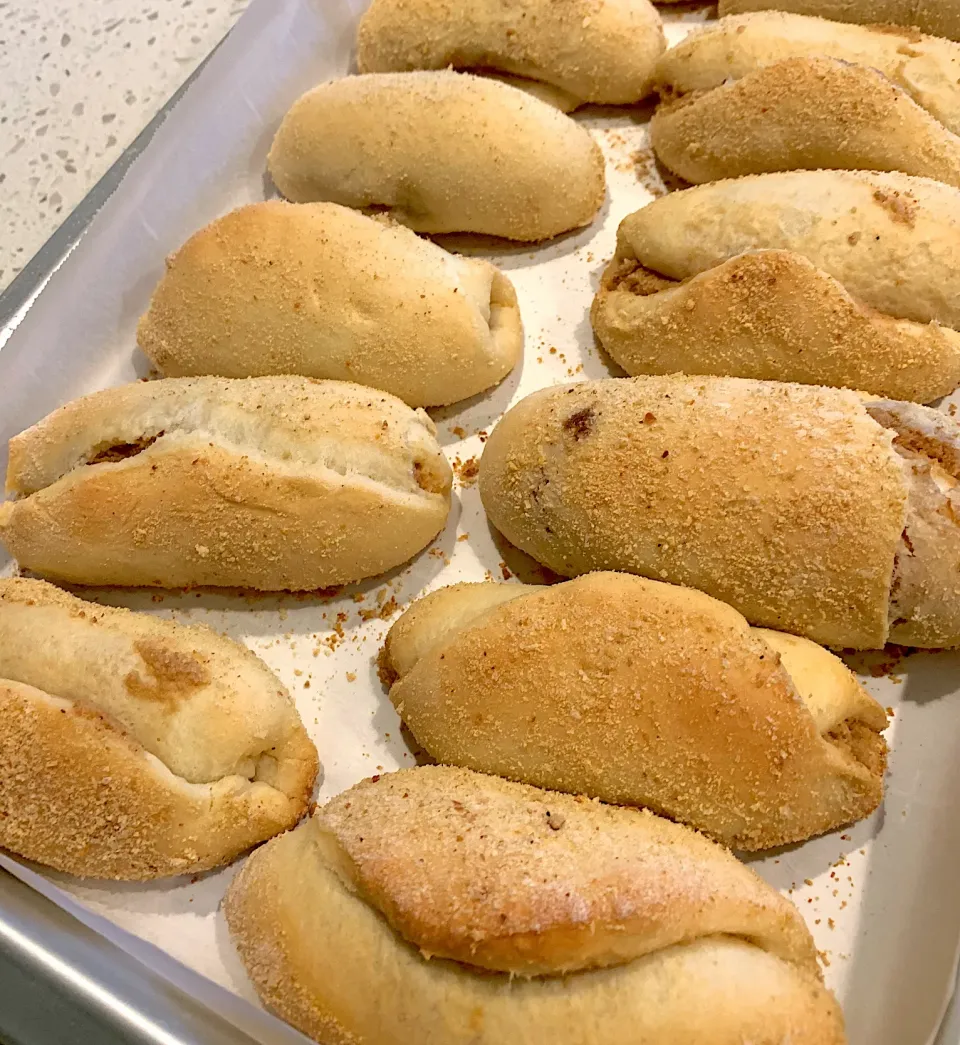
x=803 y=114
x=325 y=292
x=940 y=17
x=822 y=277
x=592 y=52
x=132 y=747
x=441 y=152
x=502 y=913
x=791 y=503
x=925 y=67
x=641 y=693
x=271 y=483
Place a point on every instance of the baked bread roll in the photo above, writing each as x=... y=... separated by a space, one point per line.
x=271 y=483
x=323 y=291
x=441 y=152
x=940 y=17
x=587 y=51
x=132 y=747
x=824 y=277
x=924 y=67
x=501 y=913
x=803 y=114
x=796 y=505
x=641 y=693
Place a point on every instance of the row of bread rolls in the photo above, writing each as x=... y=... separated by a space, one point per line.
x=774 y=294
x=135 y=748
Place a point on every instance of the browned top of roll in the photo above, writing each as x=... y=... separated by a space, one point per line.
x=785 y=501
x=512 y=878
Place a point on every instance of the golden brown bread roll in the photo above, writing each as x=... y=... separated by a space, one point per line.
x=940 y=17
x=641 y=693
x=803 y=114
x=270 y=483
x=589 y=52
x=320 y=290
x=824 y=277
x=132 y=747
x=501 y=913
x=793 y=504
x=441 y=152
x=925 y=67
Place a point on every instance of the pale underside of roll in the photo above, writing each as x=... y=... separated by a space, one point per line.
x=939 y=17
x=269 y=483
x=441 y=152
x=133 y=747
x=577 y=50
x=502 y=913
x=796 y=505
x=824 y=277
x=641 y=693
x=322 y=291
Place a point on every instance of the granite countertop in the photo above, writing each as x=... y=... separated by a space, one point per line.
x=78 y=80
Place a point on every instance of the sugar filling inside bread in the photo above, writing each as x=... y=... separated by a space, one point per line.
x=123 y=451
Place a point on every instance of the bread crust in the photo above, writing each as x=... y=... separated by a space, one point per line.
x=768 y=315
x=132 y=747
x=927 y=68
x=939 y=17
x=861 y=228
x=803 y=114
x=319 y=290
x=269 y=483
x=785 y=501
x=601 y=53
x=441 y=152
x=317 y=951
x=647 y=694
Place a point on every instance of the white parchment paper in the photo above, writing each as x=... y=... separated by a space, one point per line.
x=881 y=898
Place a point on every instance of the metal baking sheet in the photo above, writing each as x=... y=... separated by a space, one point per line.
x=880 y=897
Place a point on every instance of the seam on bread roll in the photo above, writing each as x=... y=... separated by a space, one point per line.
x=926 y=67
x=315 y=948
x=862 y=228
x=110 y=427
x=642 y=693
x=441 y=152
x=803 y=113
x=277 y=483
x=320 y=290
x=940 y=17
x=134 y=747
x=592 y=52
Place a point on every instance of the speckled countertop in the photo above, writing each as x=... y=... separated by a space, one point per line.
x=78 y=80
